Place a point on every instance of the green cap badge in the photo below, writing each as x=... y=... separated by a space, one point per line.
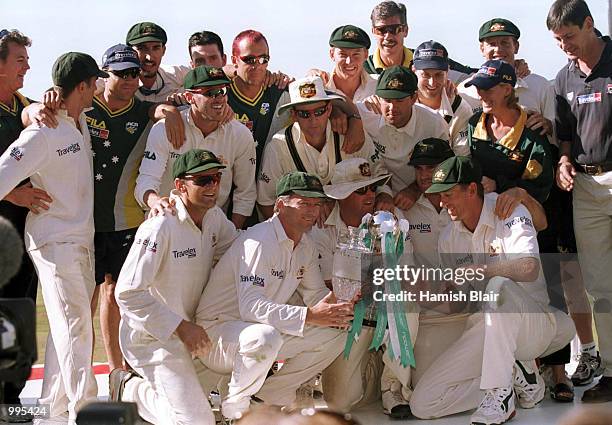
x=145 y=31
x=195 y=161
x=396 y=82
x=455 y=170
x=299 y=183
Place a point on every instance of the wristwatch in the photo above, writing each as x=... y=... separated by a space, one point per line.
x=356 y=116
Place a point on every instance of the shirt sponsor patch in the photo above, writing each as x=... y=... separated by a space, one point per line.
x=73 y=148
x=147 y=244
x=189 y=253
x=99 y=133
x=278 y=273
x=150 y=155
x=519 y=220
x=255 y=280
x=421 y=227
x=589 y=98
x=16 y=153
x=609 y=88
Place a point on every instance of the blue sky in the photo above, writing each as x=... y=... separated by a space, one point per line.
x=298 y=31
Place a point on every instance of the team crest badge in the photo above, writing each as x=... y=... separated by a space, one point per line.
x=395 y=84
x=350 y=35
x=515 y=156
x=570 y=95
x=495 y=248
x=497 y=27
x=215 y=73
x=307 y=90
x=264 y=109
x=364 y=169
x=609 y=88
x=148 y=30
x=131 y=127
x=439 y=176
x=300 y=273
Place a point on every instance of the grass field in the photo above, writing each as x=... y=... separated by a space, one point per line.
x=42 y=330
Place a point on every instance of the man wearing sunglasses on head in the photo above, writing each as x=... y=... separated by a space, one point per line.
x=158 y=291
x=309 y=144
x=390 y=28
x=206 y=91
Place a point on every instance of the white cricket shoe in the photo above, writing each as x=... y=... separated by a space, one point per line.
x=528 y=384
x=496 y=408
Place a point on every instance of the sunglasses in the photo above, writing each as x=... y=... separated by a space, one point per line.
x=127 y=73
x=204 y=180
x=306 y=114
x=391 y=29
x=364 y=190
x=214 y=93
x=252 y=60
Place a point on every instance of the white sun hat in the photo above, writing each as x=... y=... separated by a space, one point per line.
x=350 y=175
x=307 y=90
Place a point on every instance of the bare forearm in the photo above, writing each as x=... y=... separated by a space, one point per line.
x=520 y=270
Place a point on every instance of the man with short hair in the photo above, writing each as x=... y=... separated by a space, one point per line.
x=207 y=89
x=308 y=145
x=400 y=125
x=158 y=290
x=390 y=28
x=13 y=67
x=245 y=307
x=430 y=64
x=498 y=357
x=60 y=239
x=206 y=48
x=157 y=81
x=582 y=91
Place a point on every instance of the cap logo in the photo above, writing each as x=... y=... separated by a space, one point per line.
x=350 y=35
x=215 y=73
x=497 y=27
x=431 y=53
x=313 y=182
x=364 y=169
x=148 y=30
x=395 y=84
x=488 y=70
x=507 y=77
x=439 y=176
x=307 y=90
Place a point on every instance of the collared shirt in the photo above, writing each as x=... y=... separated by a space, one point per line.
x=426 y=223
x=232 y=143
x=521 y=158
x=167 y=268
x=457 y=121
x=58 y=161
x=258 y=275
x=366 y=88
x=169 y=80
x=326 y=240
x=278 y=161
x=584 y=109
x=395 y=145
x=494 y=241
x=375 y=65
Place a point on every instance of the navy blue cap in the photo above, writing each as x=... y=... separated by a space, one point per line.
x=4 y=32
x=431 y=55
x=491 y=73
x=120 y=57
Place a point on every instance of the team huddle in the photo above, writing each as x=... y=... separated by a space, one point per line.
x=203 y=205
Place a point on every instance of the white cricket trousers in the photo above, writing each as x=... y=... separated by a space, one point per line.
x=483 y=358
x=169 y=392
x=593 y=227
x=65 y=273
x=248 y=350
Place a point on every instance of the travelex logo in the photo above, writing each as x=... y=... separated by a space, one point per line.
x=147 y=244
x=254 y=279
x=278 y=273
x=519 y=220
x=421 y=227
x=73 y=148
x=16 y=153
x=189 y=253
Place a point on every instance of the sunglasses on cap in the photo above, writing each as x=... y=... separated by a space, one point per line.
x=212 y=93
x=205 y=180
x=391 y=29
x=127 y=73
x=306 y=114
x=364 y=190
x=252 y=60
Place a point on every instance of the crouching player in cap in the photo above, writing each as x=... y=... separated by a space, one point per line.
x=354 y=381
x=158 y=290
x=520 y=325
x=245 y=306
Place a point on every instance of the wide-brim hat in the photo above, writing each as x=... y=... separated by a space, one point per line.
x=350 y=175
x=308 y=90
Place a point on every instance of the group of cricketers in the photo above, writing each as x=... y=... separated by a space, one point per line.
x=202 y=207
